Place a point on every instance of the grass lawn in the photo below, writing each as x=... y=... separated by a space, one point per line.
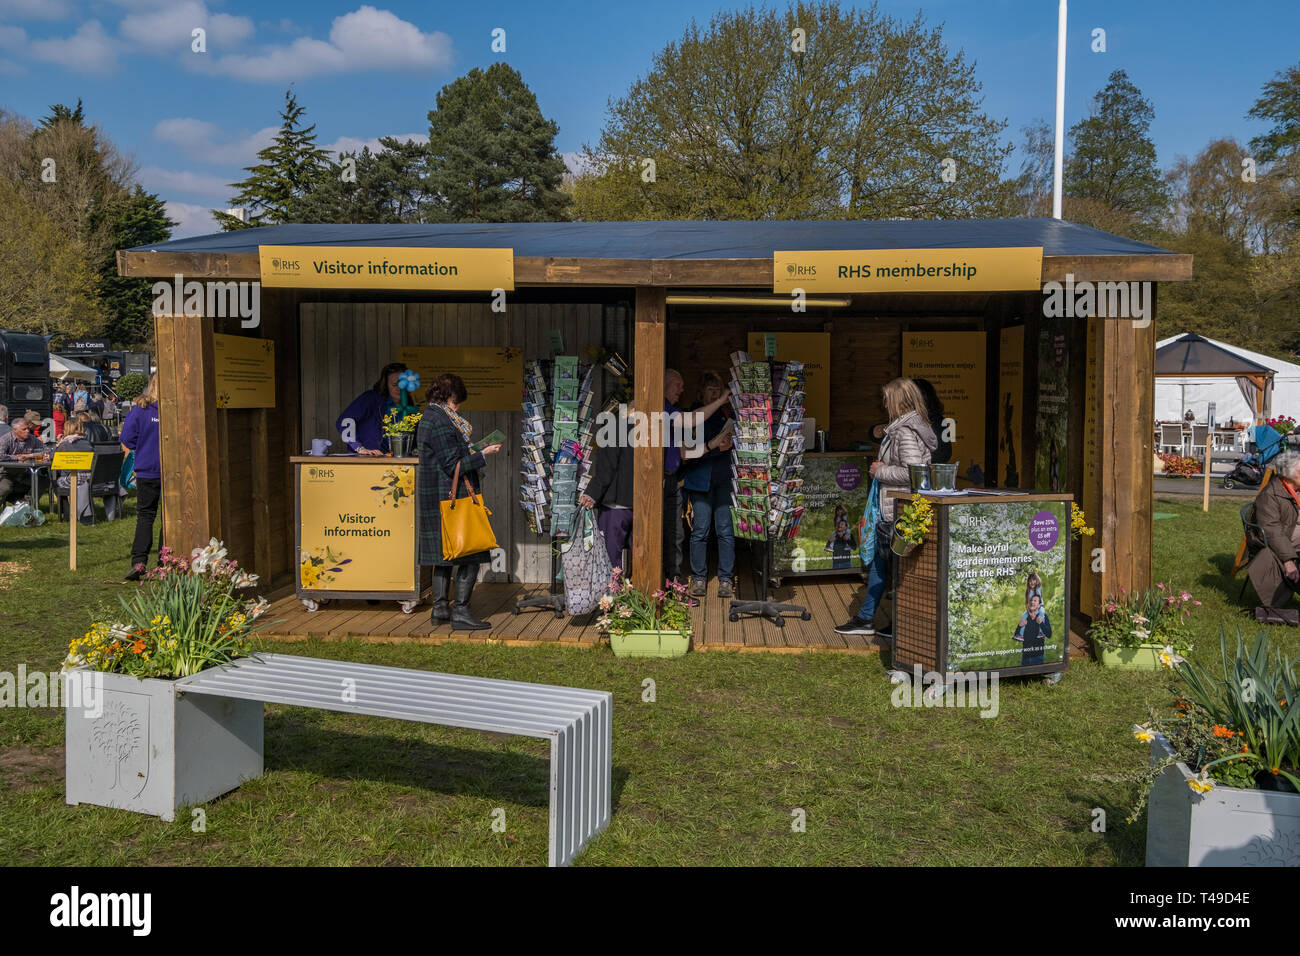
x=707 y=774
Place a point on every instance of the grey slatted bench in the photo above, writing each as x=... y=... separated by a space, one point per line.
x=578 y=723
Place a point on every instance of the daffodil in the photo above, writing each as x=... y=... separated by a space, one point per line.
x=1201 y=784
x=1144 y=735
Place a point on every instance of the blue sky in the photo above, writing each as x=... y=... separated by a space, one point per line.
x=364 y=70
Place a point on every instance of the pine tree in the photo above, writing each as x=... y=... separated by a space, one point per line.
x=492 y=154
x=137 y=219
x=387 y=186
x=288 y=170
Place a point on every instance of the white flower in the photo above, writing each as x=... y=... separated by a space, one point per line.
x=606 y=603
x=258 y=609
x=243 y=579
x=1142 y=634
x=208 y=558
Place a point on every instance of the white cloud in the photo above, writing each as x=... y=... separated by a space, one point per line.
x=576 y=163
x=192 y=220
x=89 y=50
x=12 y=38
x=159 y=180
x=10 y=68
x=351 y=144
x=202 y=140
x=364 y=39
x=170 y=28
x=35 y=9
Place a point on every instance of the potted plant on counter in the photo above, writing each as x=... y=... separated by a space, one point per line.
x=646 y=625
x=1223 y=780
x=135 y=740
x=913 y=524
x=399 y=426
x=1134 y=630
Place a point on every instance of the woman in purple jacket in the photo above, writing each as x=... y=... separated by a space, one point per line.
x=140 y=435
x=361 y=423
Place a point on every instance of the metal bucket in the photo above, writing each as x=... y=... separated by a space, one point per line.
x=920 y=477
x=944 y=477
x=400 y=445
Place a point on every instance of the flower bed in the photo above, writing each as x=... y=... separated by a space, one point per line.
x=628 y=611
x=1156 y=618
x=1180 y=466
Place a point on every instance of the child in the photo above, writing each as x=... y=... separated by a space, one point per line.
x=1033 y=631
x=842 y=546
x=1033 y=585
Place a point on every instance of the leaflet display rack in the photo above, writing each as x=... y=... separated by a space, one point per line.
x=759 y=501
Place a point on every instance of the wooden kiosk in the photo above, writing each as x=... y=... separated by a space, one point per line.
x=674 y=294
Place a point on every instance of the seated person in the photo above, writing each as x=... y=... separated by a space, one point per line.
x=74 y=439
x=96 y=432
x=22 y=445
x=1273 y=566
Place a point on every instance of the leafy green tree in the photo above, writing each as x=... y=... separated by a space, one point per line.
x=1279 y=104
x=289 y=168
x=859 y=116
x=137 y=218
x=387 y=186
x=492 y=154
x=1113 y=160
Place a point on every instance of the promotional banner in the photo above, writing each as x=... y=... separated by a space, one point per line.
x=1051 y=464
x=909 y=270
x=385 y=267
x=245 y=371
x=494 y=377
x=814 y=350
x=1011 y=412
x=835 y=492
x=1006 y=584
x=954 y=363
x=357 y=527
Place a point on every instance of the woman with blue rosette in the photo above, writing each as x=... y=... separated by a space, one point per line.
x=362 y=423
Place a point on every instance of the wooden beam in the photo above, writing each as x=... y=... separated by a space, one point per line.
x=261 y=492
x=648 y=350
x=705 y=273
x=191 y=493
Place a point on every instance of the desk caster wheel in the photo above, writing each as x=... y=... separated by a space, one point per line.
x=311 y=606
x=805 y=616
x=558 y=614
x=409 y=606
x=514 y=610
x=733 y=617
x=1051 y=680
x=779 y=621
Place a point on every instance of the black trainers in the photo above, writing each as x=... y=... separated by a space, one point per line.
x=136 y=573
x=854 y=626
x=699 y=587
x=725 y=588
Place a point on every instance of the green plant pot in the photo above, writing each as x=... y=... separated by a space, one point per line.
x=1144 y=657
x=650 y=644
x=901 y=546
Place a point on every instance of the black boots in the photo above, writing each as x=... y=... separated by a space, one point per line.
x=461 y=619
x=441 y=588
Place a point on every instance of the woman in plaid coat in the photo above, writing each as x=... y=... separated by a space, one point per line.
x=442 y=442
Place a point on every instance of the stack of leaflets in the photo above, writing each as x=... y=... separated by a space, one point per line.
x=787 y=446
x=751 y=400
x=535 y=470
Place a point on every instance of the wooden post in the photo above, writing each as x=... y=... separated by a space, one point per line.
x=187 y=413
x=648 y=348
x=1209 y=457
x=261 y=490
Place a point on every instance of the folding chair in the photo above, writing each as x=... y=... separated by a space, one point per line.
x=1171 y=439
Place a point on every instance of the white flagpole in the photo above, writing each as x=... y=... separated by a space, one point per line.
x=1060 y=114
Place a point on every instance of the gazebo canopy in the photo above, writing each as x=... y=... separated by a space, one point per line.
x=1193 y=355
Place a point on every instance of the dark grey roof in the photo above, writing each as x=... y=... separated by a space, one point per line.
x=1192 y=355
x=683 y=240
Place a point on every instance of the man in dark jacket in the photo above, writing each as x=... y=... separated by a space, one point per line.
x=610 y=489
x=1274 y=569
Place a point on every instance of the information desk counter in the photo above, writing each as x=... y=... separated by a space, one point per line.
x=988 y=589
x=835 y=486
x=356 y=530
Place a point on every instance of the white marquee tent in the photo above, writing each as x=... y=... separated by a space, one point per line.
x=1174 y=396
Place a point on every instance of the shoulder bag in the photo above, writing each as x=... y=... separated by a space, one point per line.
x=465 y=526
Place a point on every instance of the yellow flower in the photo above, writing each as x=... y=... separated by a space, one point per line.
x=1201 y=784
x=310 y=574
x=1144 y=735
x=406 y=481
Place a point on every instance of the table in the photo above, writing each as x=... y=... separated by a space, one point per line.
x=34 y=469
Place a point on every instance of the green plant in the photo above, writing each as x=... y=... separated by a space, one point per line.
x=1158 y=615
x=915 y=520
x=186 y=619
x=1282 y=424
x=129 y=386
x=400 y=422
x=626 y=608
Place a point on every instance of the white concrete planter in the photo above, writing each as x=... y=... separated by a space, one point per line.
x=1225 y=827
x=147 y=746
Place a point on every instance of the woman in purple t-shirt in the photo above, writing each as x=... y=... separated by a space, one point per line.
x=140 y=435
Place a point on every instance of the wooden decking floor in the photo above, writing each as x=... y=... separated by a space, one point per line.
x=829 y=601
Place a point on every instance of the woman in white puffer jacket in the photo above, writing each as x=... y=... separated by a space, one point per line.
x=908 y=440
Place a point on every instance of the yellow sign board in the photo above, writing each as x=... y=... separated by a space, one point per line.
x=245 y=371
x=954 y=363
x=356 y=527
x=386 y=267
x=909 y=270
x=72 y=460
x=494 y=377
x=814 y=350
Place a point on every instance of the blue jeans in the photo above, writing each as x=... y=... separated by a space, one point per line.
x=712 y=508
x=878 y=576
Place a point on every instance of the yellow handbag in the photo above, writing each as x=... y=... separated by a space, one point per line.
x=465 y=526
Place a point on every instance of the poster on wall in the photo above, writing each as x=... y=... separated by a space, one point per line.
x=1011 y=401
x=356 y=527
x=814 y=350
x=494 y=377
x=1051 y=464
x=954 y=363
x=1007 y=584
x=244 y=371
x=835 y=491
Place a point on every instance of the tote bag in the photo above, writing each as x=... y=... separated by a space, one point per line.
x=867 y=526
x=587 y=570
x=465 y=526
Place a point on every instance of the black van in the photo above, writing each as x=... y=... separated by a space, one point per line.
x=25 y=374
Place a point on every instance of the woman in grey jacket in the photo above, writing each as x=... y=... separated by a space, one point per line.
x=908 y=440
